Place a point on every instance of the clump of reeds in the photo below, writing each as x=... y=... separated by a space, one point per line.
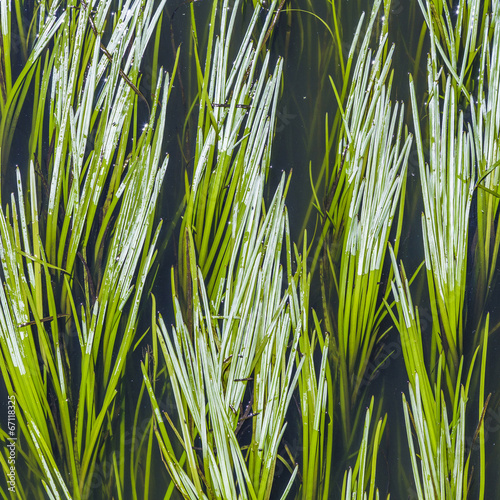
x=78 y=243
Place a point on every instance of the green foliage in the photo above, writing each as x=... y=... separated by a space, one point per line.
x=64 y=362
x=486 y=128
x=239 y=337
x=356 y=480
x=13 y=87
x=315 y=390
x=251 y=357
x=440 y=468
x=360 y=204
x=235 y=125
x=447 y=187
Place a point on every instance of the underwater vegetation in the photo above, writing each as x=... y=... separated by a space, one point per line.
x=213 y=284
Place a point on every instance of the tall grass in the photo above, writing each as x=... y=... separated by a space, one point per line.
x=15 y=87
x=447 y=175
x=64 y=361
x=486 y=129
x=360 y=205
x=447 y=188
x=359 y=482
x=237 y=114
x=440 y=464
x=233 y=372
x=223 y=233
x=250 y=360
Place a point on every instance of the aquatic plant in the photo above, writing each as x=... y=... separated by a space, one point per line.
x=447 y=188
x=447 y=180
x=444 y=466
x=486 y=133
x=77 y=247
x=271 y=340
